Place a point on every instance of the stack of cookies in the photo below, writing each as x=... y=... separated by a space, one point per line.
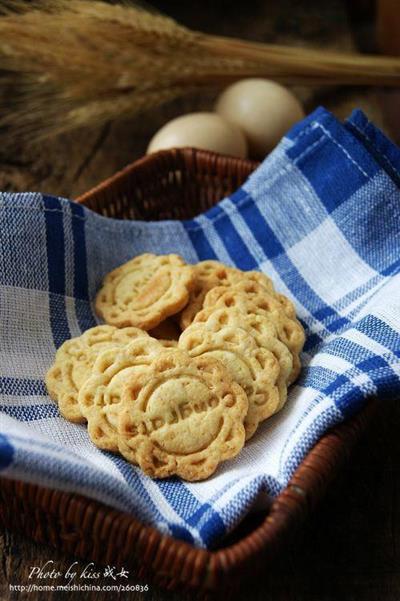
x=192 y=359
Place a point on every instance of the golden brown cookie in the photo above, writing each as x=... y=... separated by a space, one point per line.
x=74 y=361
x=100 y=396
x=255 y=368
x=208 y=275
x=145 y=291
x=169 y=343
x=261 y=327
x=251 y=298
x=182 y=417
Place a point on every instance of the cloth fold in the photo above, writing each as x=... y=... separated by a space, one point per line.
x=320 y=216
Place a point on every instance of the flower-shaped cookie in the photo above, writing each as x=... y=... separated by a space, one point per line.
x=100 y=396
x=181 y=417
x=144 y=291
x=208 y=275
x=250 y=297
x=261 y=327
x=255 y=368
x=74 y=362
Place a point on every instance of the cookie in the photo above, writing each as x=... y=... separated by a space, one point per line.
x=74 y=361
x=145 y=291
x=168 y=343
x=250 y=297
x=182 y=417
x=255 y=368
x=210 y=274
x=261 y=327
x=100 y=395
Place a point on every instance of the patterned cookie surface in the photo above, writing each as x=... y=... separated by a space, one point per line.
x=74 y=361
x=144 y=291
x=100 y=396
x=252 y=298
x=255 y=368
x=182 y=417
x=261 y=327
x=210 y=274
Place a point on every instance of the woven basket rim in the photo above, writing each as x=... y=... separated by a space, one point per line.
x=174 y=154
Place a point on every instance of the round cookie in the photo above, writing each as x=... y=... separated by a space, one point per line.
x=182 y=417
x=74 y=361
x=145 y=291
x=100 y=396
x=208 y=275
x=250 y=297
x=255 y=368
x=261 y=327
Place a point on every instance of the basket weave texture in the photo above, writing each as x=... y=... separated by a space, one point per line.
x=174 y=184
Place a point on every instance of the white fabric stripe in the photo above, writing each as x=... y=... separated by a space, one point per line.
x=305 y=421
x=322 y=250
x=68 y=252
x=331 y=362
x=365 y=341
x=245 y=233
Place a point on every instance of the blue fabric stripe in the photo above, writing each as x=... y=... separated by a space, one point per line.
x=275 y=252
x=312 y=341
x=199 y=240
x=381 y=148
x=6 y=452
x=132 y=478
x=182 y=533
x=381 y=332
x=83 y=307
x=56 y=269
x=259 y=227
x=392 y=269
x=22 y=387
x=338 y=147
x=233 y=243
x=302 y=128
x=327 y=419
x=30 y=413
x=80 y=260
x=185 y=503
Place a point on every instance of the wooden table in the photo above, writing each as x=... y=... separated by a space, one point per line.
x=350 y=548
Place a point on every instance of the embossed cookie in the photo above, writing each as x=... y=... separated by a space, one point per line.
x=251 y=298
x=255 y=368
x=261 y=327
x=208 y=275
x=74 y=361
x=182 y=417
x=101 y=394
x=145 y=291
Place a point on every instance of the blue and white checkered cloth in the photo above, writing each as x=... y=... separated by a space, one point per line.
x=321 y=216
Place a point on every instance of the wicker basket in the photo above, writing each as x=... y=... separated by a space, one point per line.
x=174 y=184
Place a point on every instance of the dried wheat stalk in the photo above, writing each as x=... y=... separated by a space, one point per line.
x=72 y=63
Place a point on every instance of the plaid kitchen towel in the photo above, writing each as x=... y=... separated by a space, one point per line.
x=321 y=216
